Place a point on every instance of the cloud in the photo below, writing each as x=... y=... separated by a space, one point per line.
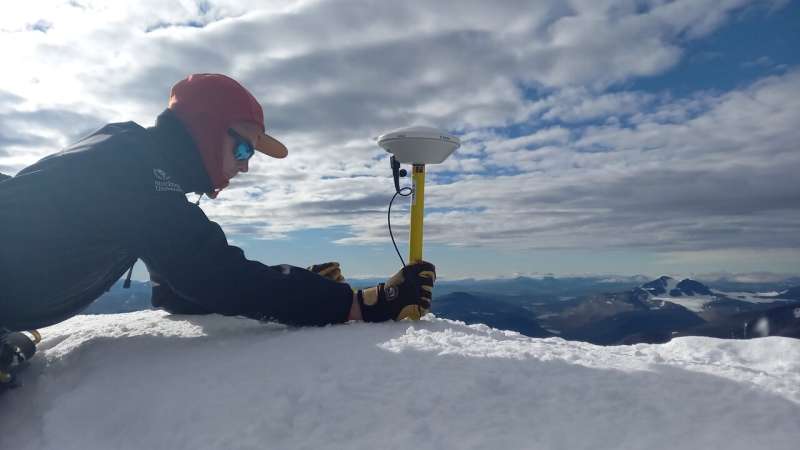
x=589 y=164
x=27 y=135
x=760 y=62
x=713 y=180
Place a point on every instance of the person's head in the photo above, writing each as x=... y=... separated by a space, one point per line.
x=225 y=121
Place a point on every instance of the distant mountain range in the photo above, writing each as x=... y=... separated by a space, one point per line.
x=601 y=311
x=473 y=309
x=652 y=312
x=121 y=300
x=707 y=303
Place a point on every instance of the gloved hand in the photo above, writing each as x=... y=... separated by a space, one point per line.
x=329 y=270
x=407 y=295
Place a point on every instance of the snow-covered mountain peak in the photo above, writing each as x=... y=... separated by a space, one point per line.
x=696 y=296
x=688 y=293
x=670 y=287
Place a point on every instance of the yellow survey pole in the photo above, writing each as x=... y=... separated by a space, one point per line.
x=417 y=146
x=417 y=211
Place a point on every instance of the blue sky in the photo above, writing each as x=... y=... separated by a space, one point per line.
x=600 y=137
x=752 y=45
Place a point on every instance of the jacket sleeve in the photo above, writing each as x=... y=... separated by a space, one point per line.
x=192 y=254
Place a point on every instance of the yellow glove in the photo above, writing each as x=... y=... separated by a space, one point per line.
x=406 y=295
x=329 y=270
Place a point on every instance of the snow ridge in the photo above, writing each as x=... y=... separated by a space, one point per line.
x=151 y=380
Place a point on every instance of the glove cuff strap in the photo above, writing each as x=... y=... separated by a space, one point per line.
x=374 y=307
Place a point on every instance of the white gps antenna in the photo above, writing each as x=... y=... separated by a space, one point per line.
x=417 y=146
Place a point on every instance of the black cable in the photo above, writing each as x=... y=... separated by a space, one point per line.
x=408 y=191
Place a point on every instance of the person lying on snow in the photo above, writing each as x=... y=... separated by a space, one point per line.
x=76 y=221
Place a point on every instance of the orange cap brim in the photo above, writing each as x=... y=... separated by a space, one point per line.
x=268 y=145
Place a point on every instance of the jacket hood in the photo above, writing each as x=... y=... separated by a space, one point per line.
x=208 y=104
x=180 y=152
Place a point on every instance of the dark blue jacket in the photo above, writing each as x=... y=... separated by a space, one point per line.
x=72 y=223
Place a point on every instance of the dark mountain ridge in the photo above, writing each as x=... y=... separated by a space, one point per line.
x=649 y=312
x=473 y=309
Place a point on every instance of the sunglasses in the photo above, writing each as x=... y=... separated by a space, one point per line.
x=243 y=149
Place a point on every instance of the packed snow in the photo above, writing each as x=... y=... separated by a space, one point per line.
x=695 y=303
x=156 y=381
x=759 y=297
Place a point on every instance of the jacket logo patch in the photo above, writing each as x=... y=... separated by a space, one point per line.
x=163 y=182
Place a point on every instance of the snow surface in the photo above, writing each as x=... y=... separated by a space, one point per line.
x=765 y=297
x=694 y=303
x=671 y=283
x=766 y=294
x=155 y=381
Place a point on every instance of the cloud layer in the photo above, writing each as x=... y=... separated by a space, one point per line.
x=557 y=152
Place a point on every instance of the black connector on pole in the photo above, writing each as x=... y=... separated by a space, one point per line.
x=397 y=172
